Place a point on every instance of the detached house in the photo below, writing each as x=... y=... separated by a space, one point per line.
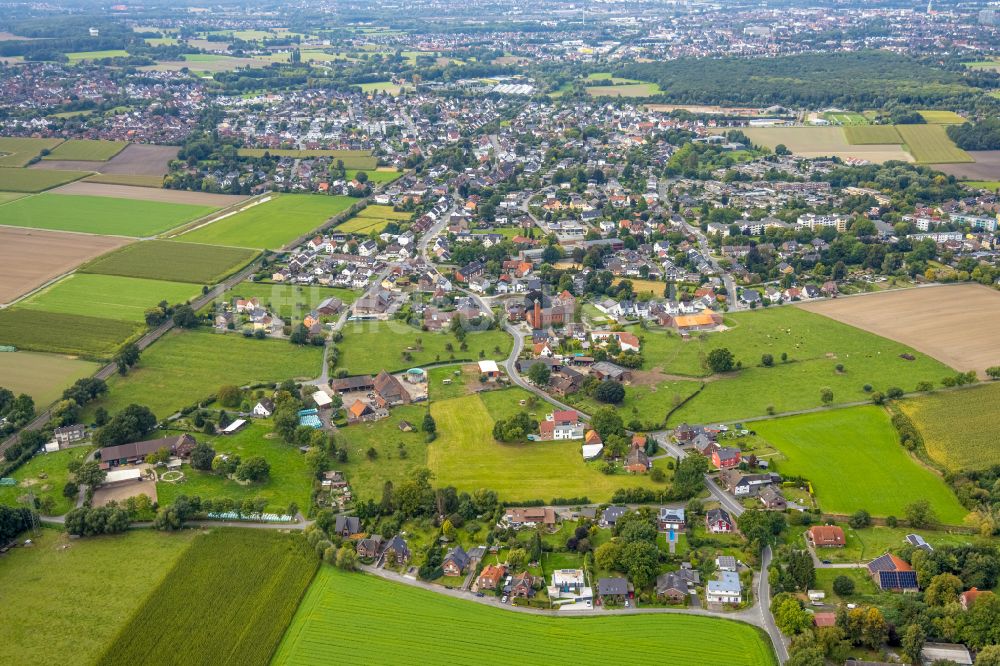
x=717 y=521
x=826 y=536
x=490 y=577
x=456 y=561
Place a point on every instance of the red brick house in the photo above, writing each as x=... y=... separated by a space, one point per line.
x=726 y=457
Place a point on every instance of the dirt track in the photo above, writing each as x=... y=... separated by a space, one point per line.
x=31 y=257
x=956 y=324
x=149 y=194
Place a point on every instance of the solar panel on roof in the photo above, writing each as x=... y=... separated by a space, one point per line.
x=898 y=580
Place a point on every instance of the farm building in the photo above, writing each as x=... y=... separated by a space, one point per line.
x=489 y=368
x=891 y=573
x=123 y=454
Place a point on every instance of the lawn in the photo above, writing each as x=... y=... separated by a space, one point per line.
x=227 y=600
x=369 y=347
x=466 y=456
x=36 y=330
x=44 y=476
x=108 y=296
x=352 y=159
x=86 y=150
x=36 y=180
x=18 y=151
x=99 y=215
x=185 y=367
x=339 y=607
x=271 y=224
x=935 y=117
x=367 y=476
x=930 y=144
x=854 y=461
x=290 y=479
x=958 y=428
x=60 y=585
x=42 y=376
x=289 y=302
x=866 y=134
x=171 y=260
x=864 y=586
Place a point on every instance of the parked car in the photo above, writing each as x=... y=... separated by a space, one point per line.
x=504 y=600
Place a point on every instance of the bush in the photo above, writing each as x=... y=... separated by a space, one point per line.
x=843 y=586
x=860 y=520
x=610 y=392
x=891 y=521
x=894 y=393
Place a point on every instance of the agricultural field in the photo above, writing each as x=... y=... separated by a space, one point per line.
x=955 y=324
x=935 y=117
x=44 y=476
x=271 y=224
x=369 y=347
x=36 y=330
x=340 y=606
x=289 y=302
x=824 y=142
x=108 y=296
x=17 y=151
x=98 y=215
x=86 y=150
x=854 y=461
x=173 y=260
x=41 y=626
x=6 y=197
x=384 y=213
x=868 y=134
x=227 y=599
x=80 y=56
x=42 y=376
x=118 y=191
x=141 y=159
x=367 y=477
x=290 y=479
x=466 y=456
x=958 y=427
x=184 y=367
x=362 y=225
x=986 y=166
x=36 y=180
x=29 y=258
x=930 y=144
x=353 y=159
x=132 y=180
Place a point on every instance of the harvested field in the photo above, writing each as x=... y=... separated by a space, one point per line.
x=931 y=144
x=957 y=324
x=36 y=180
x=942 y=117
x=86 y=150
x=824 y=142
x=149 y=194
x=142 y=160
x=172 y=260
x=17 y=151
x=986 y=166
x=29 y=258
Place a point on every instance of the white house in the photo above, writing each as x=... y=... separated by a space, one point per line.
x=264 y=408
x=724 y=590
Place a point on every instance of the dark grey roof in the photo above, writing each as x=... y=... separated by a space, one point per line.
x=351 y=523
x=613 y=513
x=459 y=556
x=612 y=586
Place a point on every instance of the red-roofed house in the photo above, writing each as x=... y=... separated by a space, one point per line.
x=969 y=597
x=826 y=536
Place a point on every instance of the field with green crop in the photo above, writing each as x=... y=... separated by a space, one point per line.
x=80 y=56
x=90 y=150
x=99 y=215
x=36 y=180
x=867 y=134
x=36 y=330
x=404 y=625
x=60 y=585
x=854 y=461
x=18 y=151
x=937 y=117
x=958 y=428
x=353 y=159
x=44 y=476
x=272 y=224
x=108 y=296
x=184 y=367
x=172 y=260
x=290 y=302
x=42 y=376
x=227 y=600
x=466 y=456
x=930 y=144
x=815 y=346
x=369 y=347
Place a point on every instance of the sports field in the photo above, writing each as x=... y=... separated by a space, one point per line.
x=466 y=456
x=108 y=296
x=271 y=224
x=936 y=117
x=62 y=333
x=845 y=118
x=99 y=215
x=86 y=150
x=854 y=461
x=931 y=144
x=227 y=600
x=626 y=90
x=868 y=134
x=18 y=151
x=42 y=376
x=37 y=180
x=823 y=142
x=404 y=625
x=44 y=588
x=172 y=260
x=185 y=367
x=958 y=427
x=353 y=159
x=374 y=346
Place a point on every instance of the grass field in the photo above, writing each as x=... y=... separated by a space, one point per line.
x=86 y=150
x=42 y=376
x=37 y=180
x=626 y=90
x=640 y=286
x=108 y=296
x=272 y=224
x=339 y=606
x=135 y=180
x=36 y=330
x=290 y=479
x=42 y=626
x=353 y=159
x=867 y=134
x=377 y=176
x=942 y=117
x=930 y=144
x=99 y=215
x=79 y=56
x=185 y=367
x=362 y=225
x=227 y=600
x=369 y=347
x=172 y=260
x=384 y=213
x=647 y=403
x=290 y=302
x=382 y=86
x=466 y=456
x=854 y=461
x=18 y=151
x=44 y=476
x=991 y=185
x=958 y=428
